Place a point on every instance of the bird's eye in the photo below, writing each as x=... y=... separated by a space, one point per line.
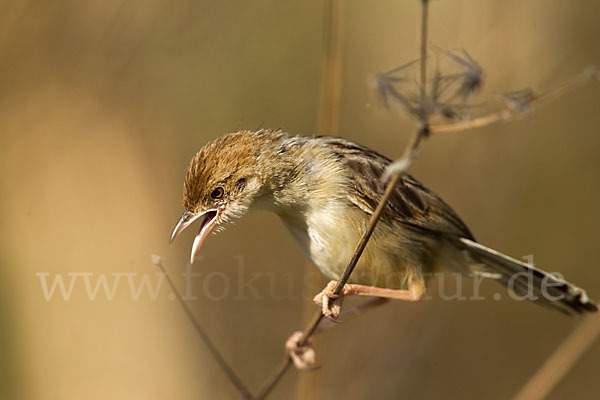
x=217 y=193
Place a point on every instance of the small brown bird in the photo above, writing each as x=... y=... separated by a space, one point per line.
x=325 y=189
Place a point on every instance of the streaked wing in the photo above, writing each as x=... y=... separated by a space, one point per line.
x=411 y=204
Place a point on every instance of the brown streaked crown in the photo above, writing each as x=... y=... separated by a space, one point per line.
x=227 y=162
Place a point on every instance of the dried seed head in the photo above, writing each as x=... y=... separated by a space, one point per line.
x=450 y=85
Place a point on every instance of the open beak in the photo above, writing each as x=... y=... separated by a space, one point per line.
x=209 y=220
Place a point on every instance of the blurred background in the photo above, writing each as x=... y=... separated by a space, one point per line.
x=104 y=102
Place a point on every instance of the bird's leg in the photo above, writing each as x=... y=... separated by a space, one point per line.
x=333 y=310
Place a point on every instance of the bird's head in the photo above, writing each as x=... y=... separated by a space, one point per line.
x=223 y=181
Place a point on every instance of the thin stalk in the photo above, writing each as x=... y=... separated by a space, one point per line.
x=410 y=152
x=229 y=372
x=424 y=27
x=561 y=361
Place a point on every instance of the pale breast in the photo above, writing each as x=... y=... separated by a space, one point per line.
x=325 y=235
x=328 y=237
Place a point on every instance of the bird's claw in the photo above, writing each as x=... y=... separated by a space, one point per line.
x=324 y=299
x=303 y=357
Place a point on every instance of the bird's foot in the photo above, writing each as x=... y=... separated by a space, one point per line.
x=303 y=357
x=326 y=299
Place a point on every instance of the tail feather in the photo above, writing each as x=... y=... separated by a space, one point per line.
x=530 y=282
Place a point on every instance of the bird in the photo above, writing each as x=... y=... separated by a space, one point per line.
x=325 y=190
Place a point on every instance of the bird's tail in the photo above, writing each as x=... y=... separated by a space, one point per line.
x=528 y=282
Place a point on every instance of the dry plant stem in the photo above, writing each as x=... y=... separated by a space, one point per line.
x=410 y=153
x=508 y=114
x=561 y=361
x=328 y=123
x=424 y=18
x=209 y=344
x=331 y=87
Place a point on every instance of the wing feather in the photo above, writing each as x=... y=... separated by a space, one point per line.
x=411 y=204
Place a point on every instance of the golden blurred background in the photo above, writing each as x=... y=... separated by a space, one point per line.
x=102 y=105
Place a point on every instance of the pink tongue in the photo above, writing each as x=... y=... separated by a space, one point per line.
x=207 y=217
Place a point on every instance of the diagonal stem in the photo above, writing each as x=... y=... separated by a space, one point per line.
x=410 y=153
x=400 y=167
x=229 y=372
x=424 y=18
x=561 y=361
